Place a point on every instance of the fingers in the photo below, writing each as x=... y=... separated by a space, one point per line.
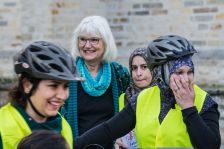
x=179 y=82
x=173 y=84
x=119 y=142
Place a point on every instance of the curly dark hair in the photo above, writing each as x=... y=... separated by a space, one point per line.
x=17 y=95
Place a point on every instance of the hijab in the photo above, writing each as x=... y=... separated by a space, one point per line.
x=132 y=88
x=161 y=75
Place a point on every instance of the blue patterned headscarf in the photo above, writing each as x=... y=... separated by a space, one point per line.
x=185 y=61
x=162 y=73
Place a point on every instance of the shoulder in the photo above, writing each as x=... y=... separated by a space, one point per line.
x=122 y=75
x=208 y=103
x=119 y=68
x=6 y=108
x=121 y=72
x=133 y=101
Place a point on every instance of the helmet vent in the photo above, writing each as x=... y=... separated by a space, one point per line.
x=151 y=53
x=56 y=67
x=54 y=51
x=173 y=44
x=181 y=42
x=162 y=49
x=39 y=68
x=35 y=49
x=157 y=40
x=43 y=57
x=63 y=61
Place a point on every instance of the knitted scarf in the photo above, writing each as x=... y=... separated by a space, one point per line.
x=95 y=86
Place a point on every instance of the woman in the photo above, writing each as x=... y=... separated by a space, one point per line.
x=44 y=73
x=173 y=113
x=96 y=99
x=141 y=79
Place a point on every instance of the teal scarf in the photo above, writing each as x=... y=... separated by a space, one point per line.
x=95 y=86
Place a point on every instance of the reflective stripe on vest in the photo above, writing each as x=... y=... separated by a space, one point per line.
x=13 y=128
x=172 y=133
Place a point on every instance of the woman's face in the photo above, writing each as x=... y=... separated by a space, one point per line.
x=141 y=75
x=91 y=47
x=49 y=97
x=186 y=73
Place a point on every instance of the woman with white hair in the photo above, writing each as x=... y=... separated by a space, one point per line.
x=96 y=99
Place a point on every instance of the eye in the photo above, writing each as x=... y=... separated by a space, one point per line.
x=66 y=85
x=53 y=85
x=133 y=67
x=94 y=40
x=190 y=72
x=144 y=67
x=82 y=39
x=178 y=72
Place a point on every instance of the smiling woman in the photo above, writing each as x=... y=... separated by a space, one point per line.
x=44 y=71
x=96 y=99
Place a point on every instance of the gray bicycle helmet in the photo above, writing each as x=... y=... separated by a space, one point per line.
x=167 y=48
x=45 y=60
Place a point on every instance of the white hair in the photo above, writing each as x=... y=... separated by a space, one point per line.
x=95 y=25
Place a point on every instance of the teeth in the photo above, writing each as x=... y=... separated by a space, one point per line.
x=88 y=51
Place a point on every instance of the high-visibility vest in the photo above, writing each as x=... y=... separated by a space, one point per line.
x=172 y=132
x=121 y=101
x=13 y=128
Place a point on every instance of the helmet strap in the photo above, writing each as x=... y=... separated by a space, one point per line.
x=35 y=110
x=166 y=73
x=35 y=84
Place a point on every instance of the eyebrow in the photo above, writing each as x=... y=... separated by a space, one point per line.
x=139 y=64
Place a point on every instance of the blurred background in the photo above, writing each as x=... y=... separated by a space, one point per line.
x=134 y=24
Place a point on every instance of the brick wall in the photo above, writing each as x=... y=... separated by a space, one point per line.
x=134 y=24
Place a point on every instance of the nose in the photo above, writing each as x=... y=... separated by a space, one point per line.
x=88 y=44
x=62 y=93
x=139 y=72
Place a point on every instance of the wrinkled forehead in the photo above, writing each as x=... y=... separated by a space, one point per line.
x=89 y=30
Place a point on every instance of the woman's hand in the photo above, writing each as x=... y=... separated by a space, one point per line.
x=183 y=91
x=120 y=145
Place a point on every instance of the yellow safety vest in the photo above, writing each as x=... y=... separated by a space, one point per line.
x=121 y=101
x=13 y=128
x=172 y=132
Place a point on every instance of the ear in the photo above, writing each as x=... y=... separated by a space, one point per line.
x=27 y=85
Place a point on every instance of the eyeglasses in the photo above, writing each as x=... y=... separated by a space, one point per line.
x=93 y=41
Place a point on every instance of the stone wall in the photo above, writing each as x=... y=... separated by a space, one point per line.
x=134 y=24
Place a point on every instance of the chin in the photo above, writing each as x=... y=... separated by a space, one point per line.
x=52 y=113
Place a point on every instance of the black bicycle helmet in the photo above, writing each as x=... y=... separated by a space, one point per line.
x=167 y=48
x=46 y=60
